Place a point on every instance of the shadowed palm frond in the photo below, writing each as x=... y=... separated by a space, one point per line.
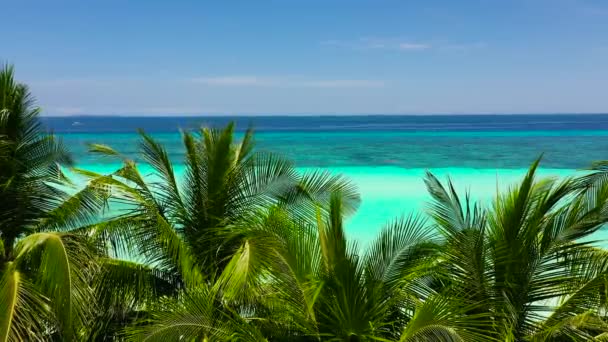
x=122 y=282
x=196 y=315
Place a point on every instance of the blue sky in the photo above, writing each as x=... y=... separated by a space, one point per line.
x=310 y=57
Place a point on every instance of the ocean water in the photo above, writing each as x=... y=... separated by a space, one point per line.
x=386 y=156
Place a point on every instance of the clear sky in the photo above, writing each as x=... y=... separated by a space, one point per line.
x=310 y=57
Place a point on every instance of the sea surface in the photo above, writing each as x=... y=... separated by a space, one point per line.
x=386 y=156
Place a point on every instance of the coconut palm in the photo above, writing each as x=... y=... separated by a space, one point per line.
x=311 y=284
x=44 y=273
x=195 y=315
x=170 y=234
x=172 y=225
x=530 y=259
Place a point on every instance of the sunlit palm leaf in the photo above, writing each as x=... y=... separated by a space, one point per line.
x=406 y=249
x=63 y=265
x=24 y=311
x=442 y=318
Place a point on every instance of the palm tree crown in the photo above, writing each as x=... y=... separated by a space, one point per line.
x=528 y=261
x=44 y=277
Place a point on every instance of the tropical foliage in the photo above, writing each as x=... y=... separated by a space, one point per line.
x=45 y=269
x=233 y=244
x=173 y=236
x=529 y=262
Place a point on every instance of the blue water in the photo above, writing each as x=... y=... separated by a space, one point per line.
x=386 y=156
x=474 y=141
x=336 y=123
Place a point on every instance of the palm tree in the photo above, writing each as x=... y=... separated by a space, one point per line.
x=530 y=260
x=171 y=234
x=255 y=252
x=44 y=273
x=305 y=282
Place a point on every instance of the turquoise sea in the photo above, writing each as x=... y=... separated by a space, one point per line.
x=386 y=156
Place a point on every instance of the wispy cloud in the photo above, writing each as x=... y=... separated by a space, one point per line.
x=127 y=110
x=413 y=46
x=367 y=43
x=235 y=81
x=215 y=81
x=295 y=82
x=89 y=82
x=396 y=44
x=464 y=47
x=597 y=11
x=593 y=9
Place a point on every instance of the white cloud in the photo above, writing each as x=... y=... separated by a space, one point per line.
x=212 y=81
x=256 y=81
x=89 y=82
x=235 y=81
x=126 y=110
x=413 y=46
x=396 y=44
x=341 y=84
x=367 y=43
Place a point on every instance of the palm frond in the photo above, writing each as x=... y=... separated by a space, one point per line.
x=447 y=209
x=156 y=155
x=313 y=191
x=122 y=282
x=197 y=315
x=259 y=180
x=106 y=151
x=442 y=318
x=23 y=310
x=62 y=264
x=82 y=208
x=405 y=249
x=153 y=238
x=597 y=174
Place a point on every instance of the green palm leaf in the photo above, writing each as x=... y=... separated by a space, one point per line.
x=442 y=318
x=63 y=266
x=45 y=275
x=23 y=311
x=196 y=316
